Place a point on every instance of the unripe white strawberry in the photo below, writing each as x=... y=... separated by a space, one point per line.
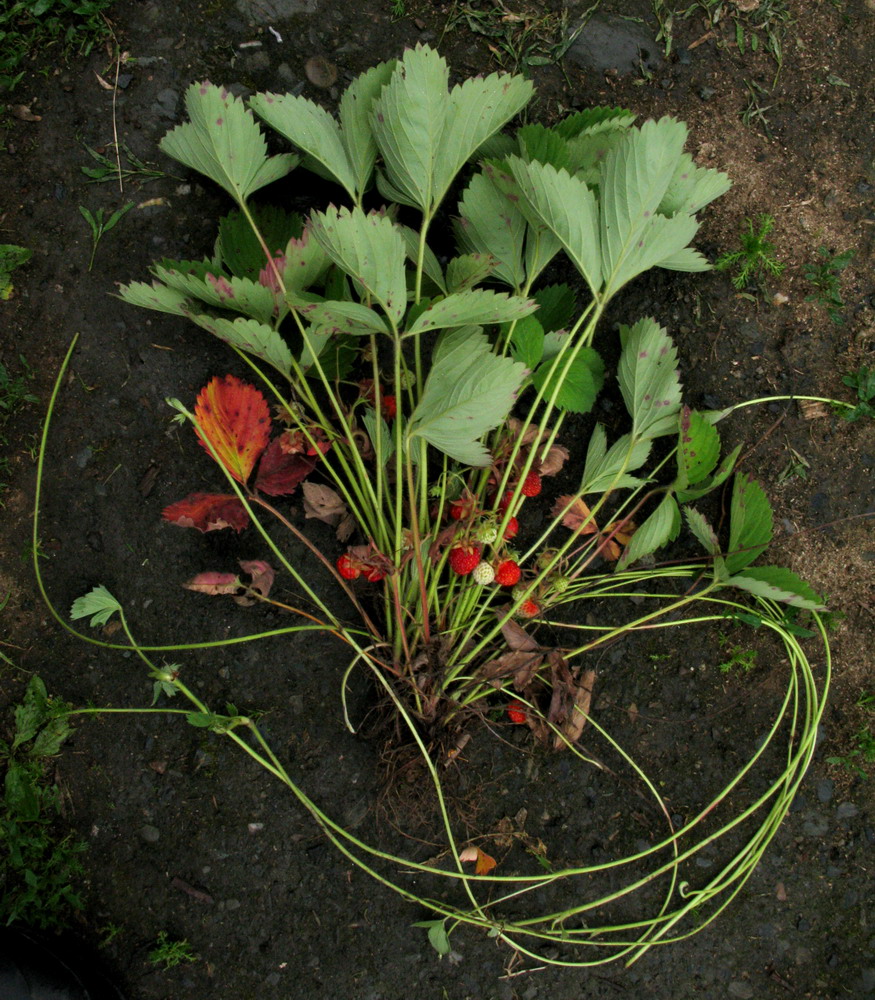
x=487 y=533
x=483 y=573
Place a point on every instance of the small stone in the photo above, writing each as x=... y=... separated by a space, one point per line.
x=825 y=789
x=741 y=989
x=815 y=826
x=846 y=810
x=150 y=834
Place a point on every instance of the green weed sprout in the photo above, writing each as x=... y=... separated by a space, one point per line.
x=11 y=257
x=432 y=398
x=756 y=260
x=863 y=380
x=100 y=226
x=824 y=276
x=171 y=953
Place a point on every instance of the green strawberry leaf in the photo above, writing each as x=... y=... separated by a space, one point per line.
x=489 y=223
x=257 y=339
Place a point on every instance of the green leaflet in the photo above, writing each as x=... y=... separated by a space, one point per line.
x=750 y=523
x=579 y=382
x=468 y=392
x=312 y=129
x=240 y=294
x=355 y=112
x=239 y=247
x=427 y=136
x=305 y=262
x=370 y=249
x=556 y=306
x=223 y=142
x=488 y=223
x=537 y=142
x=777 y=584
x=430 y=264
x=634 y=179
x=661 y=526
x=155 y=296
x=607 y=469
x=692 y=187
x=594 y=120
x=567 y=207
x=698 y=448
x=703 y=531
x=248 y=335
x=345 y=317
x=711 y=482
x=648 y=379
x=468 y=270
x=527 y=342
x=99 y=603
x=473 y=307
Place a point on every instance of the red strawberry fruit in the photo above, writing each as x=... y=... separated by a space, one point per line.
x=516 y=712
x=528 y=609
x=531 y=485
x=507 y=573
x=349 y=568
x=511 y=528
x=464 y=558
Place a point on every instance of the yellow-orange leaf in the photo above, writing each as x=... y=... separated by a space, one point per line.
x=234 y=417
x=484 y=863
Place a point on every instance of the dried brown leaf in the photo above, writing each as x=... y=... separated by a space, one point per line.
x=579 y=710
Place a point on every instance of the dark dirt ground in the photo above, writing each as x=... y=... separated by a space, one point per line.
x=276 y=912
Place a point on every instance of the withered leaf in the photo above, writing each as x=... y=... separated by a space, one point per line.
x=323 y=503
x=521 y=663
x=577 y=517
x=578 y=711
x=235 y=419
x=280 y=473
x=484 y=863
x=517 y=637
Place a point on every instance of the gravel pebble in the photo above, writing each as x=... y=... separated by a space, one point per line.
x=846 y=810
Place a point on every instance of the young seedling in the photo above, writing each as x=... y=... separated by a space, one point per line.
x=111 y=170
x=11 y=257
x=100 y=226
x=756 y=260
x=171 y=953
x=863 y=380
x=824 y=276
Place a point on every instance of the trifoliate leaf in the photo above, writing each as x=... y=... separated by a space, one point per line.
x=750 y=523
x=99 y=603
x=648 y=379
x=634 y=178
x=777 y=584
x=223 y=142
x=469 y=391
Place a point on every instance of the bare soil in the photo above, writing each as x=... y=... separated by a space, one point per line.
x=184 y=834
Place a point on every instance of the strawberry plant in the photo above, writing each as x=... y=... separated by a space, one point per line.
x=420 y=407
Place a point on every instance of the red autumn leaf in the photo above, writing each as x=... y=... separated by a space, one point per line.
x=280 y=472
x=234 y=417
x=262 y=578
x=207 y=512
x=214 y=583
